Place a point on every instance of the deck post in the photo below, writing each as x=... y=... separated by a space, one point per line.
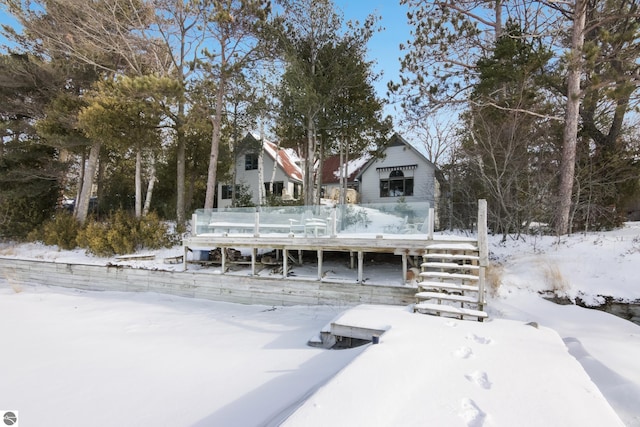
x=223 y=259
x=334 y=228
x=285 y=262
x=483 y=250
x=253 y=261
x=184 y=258
x=404 y=267
x=319 y=264
x=256 y=227
x=360 y=266
x=194 y=224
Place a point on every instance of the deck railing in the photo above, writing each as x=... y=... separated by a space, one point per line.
x=322 y=220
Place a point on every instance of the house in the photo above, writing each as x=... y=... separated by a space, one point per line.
x=402 y=172
x=287 y=181
x=331 y=172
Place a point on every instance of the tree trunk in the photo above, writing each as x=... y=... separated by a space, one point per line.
x=261 y=192
x=308 y=173
x=570 y=134
x=341 y=184
x=82 y=206
x=83 y=167
x=138 y=182
x=180 y=169
x=152 y=181
x=275 y=166
x=216 y=122
x=318 y=177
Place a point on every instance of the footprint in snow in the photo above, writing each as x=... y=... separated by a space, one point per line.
x=471 y=413
x=480 y=378
x=478 y=339
x=463 y=353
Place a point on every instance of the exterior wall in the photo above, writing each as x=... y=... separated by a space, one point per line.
x=249 y=178
x=216 y=287
x=424 y=186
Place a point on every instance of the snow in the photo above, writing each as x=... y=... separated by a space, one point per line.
x=73 y=357
x=352 y=165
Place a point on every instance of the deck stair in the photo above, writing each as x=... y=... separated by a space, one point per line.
x=452 y=282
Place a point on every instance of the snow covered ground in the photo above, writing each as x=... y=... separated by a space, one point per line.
x=74 y=358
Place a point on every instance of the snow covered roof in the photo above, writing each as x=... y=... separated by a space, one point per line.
x=331 y=168
x=288 y=159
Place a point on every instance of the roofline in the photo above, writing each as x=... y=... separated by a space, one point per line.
x=274 y=158
x=396 y=135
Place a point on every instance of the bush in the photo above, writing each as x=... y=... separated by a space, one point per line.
x=154 y=234
x=123 y=234
x=62 y=231
x=93 y=237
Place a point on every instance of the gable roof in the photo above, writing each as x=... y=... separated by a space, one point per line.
x=288 y=160
x=395 y=141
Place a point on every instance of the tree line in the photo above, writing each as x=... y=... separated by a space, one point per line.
x=546 y=99
x=146 y=103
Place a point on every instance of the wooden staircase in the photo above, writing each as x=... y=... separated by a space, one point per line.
x=453 y=277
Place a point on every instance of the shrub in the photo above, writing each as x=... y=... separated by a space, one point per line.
x=154 y=234
x=123 y=233
x=93 y=237
x=62 y=231
x=493 y=275
x=555 y=281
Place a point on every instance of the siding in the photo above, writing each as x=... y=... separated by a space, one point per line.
x=424 y=185
x=250 y=178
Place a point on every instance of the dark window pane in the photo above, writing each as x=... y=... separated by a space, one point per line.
x=384 y=188
x=408 y=187
x=250 y=161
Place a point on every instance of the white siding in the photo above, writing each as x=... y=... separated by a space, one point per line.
x=249 y=178
x=399 y=155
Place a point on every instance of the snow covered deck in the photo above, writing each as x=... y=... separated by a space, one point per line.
x=403 y=229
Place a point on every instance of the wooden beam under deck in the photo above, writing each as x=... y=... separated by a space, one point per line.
x=403 y=245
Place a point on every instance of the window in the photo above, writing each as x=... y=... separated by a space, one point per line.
x=277 y=188
x=227 y=192
x=397 y=185
x=250 y=161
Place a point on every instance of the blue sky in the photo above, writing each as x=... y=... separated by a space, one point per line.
x=383 y=47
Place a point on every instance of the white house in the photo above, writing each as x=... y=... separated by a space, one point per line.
x=287 y=182
x=402 y=172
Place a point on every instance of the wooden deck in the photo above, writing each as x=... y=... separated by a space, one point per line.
x=355 y=244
